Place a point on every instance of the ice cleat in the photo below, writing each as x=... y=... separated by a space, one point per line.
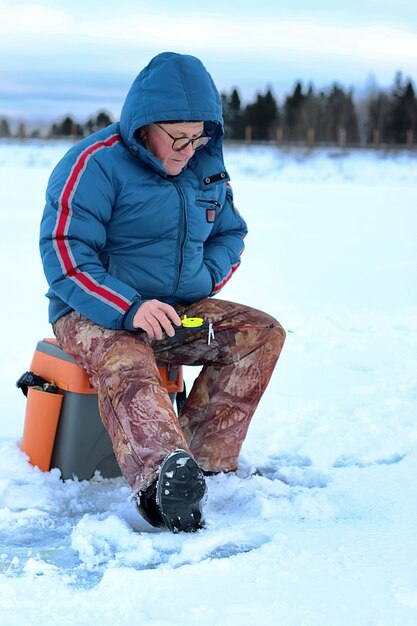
x=180 y=490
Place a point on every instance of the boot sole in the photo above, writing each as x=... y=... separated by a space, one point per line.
x=180 y=490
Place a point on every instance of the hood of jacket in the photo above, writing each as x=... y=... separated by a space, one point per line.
x=173 y=87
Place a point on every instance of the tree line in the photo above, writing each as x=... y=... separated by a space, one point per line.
x=66 y=128
x=304 y=117
x=326 y=117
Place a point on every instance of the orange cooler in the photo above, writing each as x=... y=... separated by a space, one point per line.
x=65 y=430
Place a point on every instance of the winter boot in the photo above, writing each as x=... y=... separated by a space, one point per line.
x=174 y=500
x=146 y=503
x=180 y=490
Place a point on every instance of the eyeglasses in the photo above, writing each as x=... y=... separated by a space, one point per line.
x=180 y=143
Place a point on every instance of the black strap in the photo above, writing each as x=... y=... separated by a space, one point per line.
x=29 y=379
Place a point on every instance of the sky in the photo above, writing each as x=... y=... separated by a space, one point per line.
x=77 y=57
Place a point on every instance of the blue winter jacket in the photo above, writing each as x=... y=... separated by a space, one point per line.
x=117 y=230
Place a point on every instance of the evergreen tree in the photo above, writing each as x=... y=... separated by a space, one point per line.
x=4 y=128
x=262 y=116
x=311 y=117
x=378 y=111
x=67 y=128
x=101 y=120
x=402 y=115
x=21 y=131
x=233 y=115
x=293 y=106
x=340 y=116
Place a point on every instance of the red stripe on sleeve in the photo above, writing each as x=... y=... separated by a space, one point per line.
x=62 y=247
x=222 y=283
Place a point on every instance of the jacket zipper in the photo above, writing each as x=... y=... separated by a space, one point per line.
x=205 y=201
x=184 y=234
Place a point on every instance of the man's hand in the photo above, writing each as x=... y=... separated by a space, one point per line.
x=155 y=317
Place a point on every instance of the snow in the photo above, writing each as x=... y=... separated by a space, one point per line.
x=317 y=527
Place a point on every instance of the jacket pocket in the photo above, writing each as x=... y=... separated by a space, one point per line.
x=211 y=207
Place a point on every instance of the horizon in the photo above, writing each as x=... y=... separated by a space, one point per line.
x=44 y=123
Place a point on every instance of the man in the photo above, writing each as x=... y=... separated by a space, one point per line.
x=140 y=230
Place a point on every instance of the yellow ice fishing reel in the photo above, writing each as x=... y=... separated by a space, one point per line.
x=192 y=322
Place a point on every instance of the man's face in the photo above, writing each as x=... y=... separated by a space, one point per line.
x=160 y=143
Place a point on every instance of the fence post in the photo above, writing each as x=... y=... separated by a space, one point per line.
x=248 y=135
x=280 y=136
x=376 y=137
x=74 y=131
x=342 y=137
x=410 y=138
x=21 y=131
x=310 y=137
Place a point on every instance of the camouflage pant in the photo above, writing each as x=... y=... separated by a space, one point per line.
x=137 y=411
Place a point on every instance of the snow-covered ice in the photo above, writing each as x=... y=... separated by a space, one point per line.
x=317 y=527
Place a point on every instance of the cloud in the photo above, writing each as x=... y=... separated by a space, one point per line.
x=48 y=28
x=34 y=19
